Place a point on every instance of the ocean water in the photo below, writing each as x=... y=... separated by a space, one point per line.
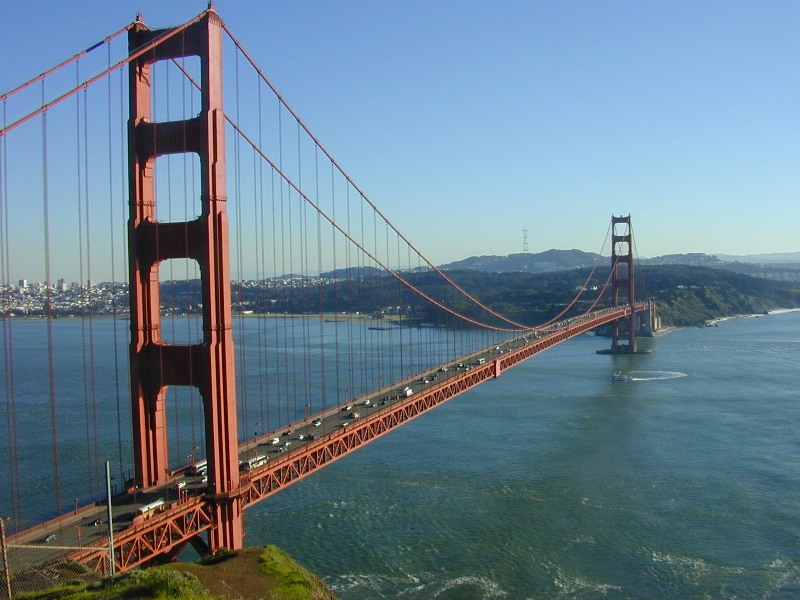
x=549 y=482
x=555 y=482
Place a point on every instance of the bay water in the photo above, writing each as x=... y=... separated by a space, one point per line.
x=552 y=481
x=555 y=482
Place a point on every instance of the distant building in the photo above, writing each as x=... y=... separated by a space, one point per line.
x=23 y=286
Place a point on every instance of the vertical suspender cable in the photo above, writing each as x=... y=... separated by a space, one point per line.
x=257 y=249
x=389 y=365
x=90 y=285
x=49 y=316
x=402 y=312
x=279 y=372
x=361 y=303
x=305 y=305
x=290 y=340
x=377 y=347
x=112 y=251
x=321 y=321
x=284 y=301
x=263 y=371
x=335 y=269
x=237 y=168
x=8 y=338
x=79 y=172
x=349 y=272
x=122 y=195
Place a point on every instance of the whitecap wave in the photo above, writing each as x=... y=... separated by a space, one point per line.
x=486 y=588
x=425 y=585
x=573 y=585
x=655 y=375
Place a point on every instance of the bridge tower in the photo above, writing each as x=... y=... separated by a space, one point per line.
x=622 y=286
x=154 y=364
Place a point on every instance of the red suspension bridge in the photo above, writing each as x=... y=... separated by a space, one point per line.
x=291 y=308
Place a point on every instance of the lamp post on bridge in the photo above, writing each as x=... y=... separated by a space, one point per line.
x=112 y=566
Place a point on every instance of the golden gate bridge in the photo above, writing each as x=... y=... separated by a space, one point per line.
x=272 y=296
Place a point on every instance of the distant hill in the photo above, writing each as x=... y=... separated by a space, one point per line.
x=684 y=295
x=779 y=267
x=527 y=262
x=690 y=295
x=765 y=266
x=692 y=259
x=760 y=259
x=353 y=273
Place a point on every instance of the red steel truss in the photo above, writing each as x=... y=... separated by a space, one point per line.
x=166 y=534
x=275 y=476
x=162 y=535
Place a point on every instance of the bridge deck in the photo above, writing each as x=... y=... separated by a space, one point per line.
x=298 y=452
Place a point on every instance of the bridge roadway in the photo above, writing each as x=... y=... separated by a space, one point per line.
x=301 y=449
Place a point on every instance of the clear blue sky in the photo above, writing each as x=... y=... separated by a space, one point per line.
x=466 y=121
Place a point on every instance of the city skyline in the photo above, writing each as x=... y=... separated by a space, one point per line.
x=468 y=122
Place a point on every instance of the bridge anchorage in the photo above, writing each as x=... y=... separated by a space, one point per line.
x=624 y=331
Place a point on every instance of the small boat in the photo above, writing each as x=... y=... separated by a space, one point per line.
x=621 y=377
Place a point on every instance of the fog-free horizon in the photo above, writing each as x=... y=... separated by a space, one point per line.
x=469 y=122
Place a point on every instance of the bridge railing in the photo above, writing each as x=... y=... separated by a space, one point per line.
x=182 y=520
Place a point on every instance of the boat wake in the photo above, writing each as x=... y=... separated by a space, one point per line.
x=655 y=375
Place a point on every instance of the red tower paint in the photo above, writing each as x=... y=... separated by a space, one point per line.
x=622 y=281
x=209 y=366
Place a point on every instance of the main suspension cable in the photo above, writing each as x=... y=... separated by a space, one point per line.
x=363 y=195
x=358 y=245
x=143 y=49
x=65 y=63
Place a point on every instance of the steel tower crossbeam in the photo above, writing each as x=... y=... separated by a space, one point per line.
x=622 y=281
x=209 y=366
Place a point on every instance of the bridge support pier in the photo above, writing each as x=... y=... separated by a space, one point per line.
x=200 y=546
x=155 y=365
x=622 y=288
x=647 y=321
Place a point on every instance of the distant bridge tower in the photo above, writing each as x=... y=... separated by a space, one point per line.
x=209 y=365
x=622 y=284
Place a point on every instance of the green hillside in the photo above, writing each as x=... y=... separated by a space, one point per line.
x=265 y=573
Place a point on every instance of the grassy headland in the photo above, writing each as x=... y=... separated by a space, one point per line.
x=252 y=574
